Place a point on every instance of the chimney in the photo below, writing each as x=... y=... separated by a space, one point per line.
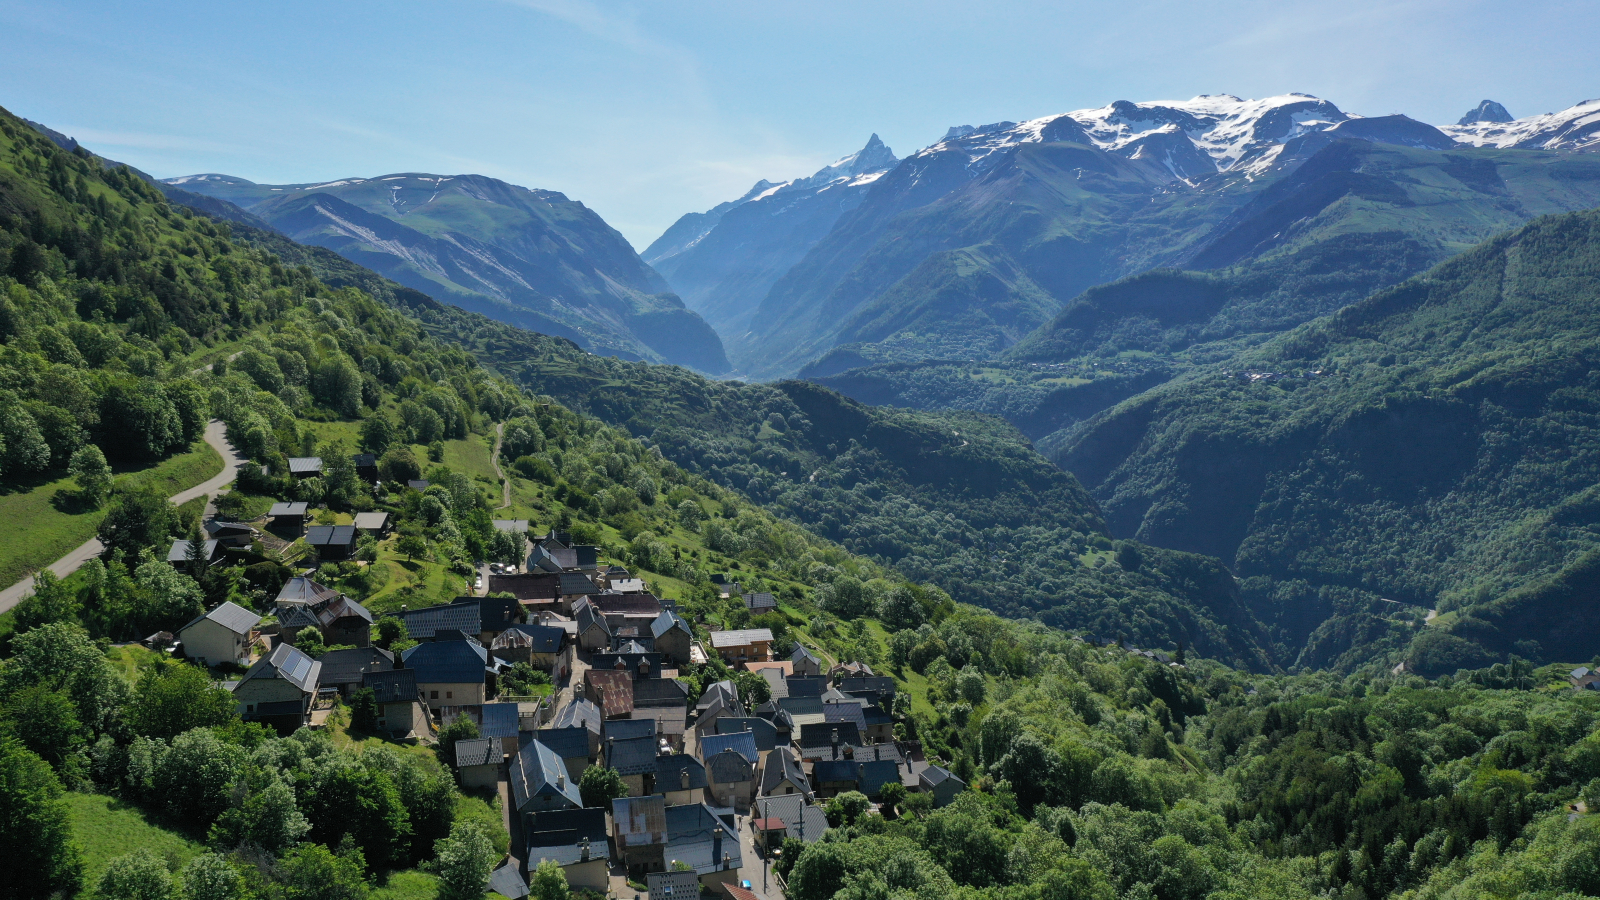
x=610 y=743
x=583 y=848
x=683 y=778
x=877 y=753
x=561 y=779
x=716 y=846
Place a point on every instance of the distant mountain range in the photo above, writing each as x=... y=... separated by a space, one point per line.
x=964 y=248
x=528 y=257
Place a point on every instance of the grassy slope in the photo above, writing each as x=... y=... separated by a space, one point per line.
x=36 y=527
x=106 y=828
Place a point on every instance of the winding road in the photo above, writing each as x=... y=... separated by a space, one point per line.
x=217 y=436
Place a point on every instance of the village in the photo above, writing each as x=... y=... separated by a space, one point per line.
x=714 y=782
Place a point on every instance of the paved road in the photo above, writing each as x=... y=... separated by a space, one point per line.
x=216 y=436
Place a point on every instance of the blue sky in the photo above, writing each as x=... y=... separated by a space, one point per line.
x=645 y=111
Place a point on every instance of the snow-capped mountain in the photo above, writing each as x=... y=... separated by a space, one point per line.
x=1205 y=135
x=724 y=260
x=1574 y=128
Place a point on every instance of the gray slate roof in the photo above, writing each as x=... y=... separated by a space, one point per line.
x=350 y=666
x=766 y=736
x=538 y=770
x=670 y=769
x=298 y=508
x=231 y=616
x=697 y=837
x=835 y=771
x=667 y=621
x=571 y=742
x=801 y=819
x=628 y=729
x=371 y=521
x=179 y=552
x=398 y=686
x=740 y=637
x=448 y=662
x=305 y=465
x=301 y=589
x=634 y=756
x=581 y=713
x=498 y=720
x=479 y=751
x=783 y=764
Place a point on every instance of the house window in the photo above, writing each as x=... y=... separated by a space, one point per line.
x=449 y=694
x=249 y=707
x=433 y=695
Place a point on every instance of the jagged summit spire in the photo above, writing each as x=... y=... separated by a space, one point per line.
x=1487 y=111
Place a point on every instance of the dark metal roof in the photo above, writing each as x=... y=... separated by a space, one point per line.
x=833 y=771
x=845 y=712
x=817 y=735
x=868 y=684
x=331 y=535
x=288 y=509
x=179 y=551
x=760 y=601
x=498 y=720
x=667 y=621
x=558 y=835
x=305 y=465
x=576 y=583
x=529 y=586
x=542 y=638
x=627 y=604
x=806 y=687
x=801 y=653
x=933 y=776
x=877 y=773
x=742 y=743
x=588 y=617
x=398 y=686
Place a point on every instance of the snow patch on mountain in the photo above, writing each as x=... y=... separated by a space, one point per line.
x=1575 y=128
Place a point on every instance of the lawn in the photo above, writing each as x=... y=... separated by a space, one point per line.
x=106 y=828
x=471 y=458
x=129 y=659
x=39 y=526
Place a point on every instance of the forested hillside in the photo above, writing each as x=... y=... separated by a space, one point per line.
x=1095 y=772
x=1432 y=445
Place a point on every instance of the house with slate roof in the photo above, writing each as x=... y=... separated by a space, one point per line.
x=289 y=516
x=366 y=466
x=782 y=774
x=700 y=839
x=501 y=722
x=730 y=761
x=875 y=773
x=481 y=617
x=571 y=743
x=278 y=689
x=845 y=712
x=534 y=590
x=577 y=841
x=373 y=524
x=450 y=673
x=539 y=782
x=594 y=632
x=835 y=776
x=344 y=670
x=303 y=603
x=585 y=714
x=761 y=602
x=478 y=762
x=806 y=663
x=635 y=760
x=224 y=636
x=942 y=784
x=401 y=709
x=638 y=664
x=825 y=740
x=656 y=693
x=672 y=636
x=332 y=542
x=229 y=534
x=680 y=778
x=719 y=690
x=537 y=645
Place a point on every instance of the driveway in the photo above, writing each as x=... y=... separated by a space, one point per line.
x=216 y=436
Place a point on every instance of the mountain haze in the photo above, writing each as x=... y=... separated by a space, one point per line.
x=530 y=257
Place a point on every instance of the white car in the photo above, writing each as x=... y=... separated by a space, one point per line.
x=478 y=585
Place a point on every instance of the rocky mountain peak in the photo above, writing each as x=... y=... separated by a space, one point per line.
x=1487 y=111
